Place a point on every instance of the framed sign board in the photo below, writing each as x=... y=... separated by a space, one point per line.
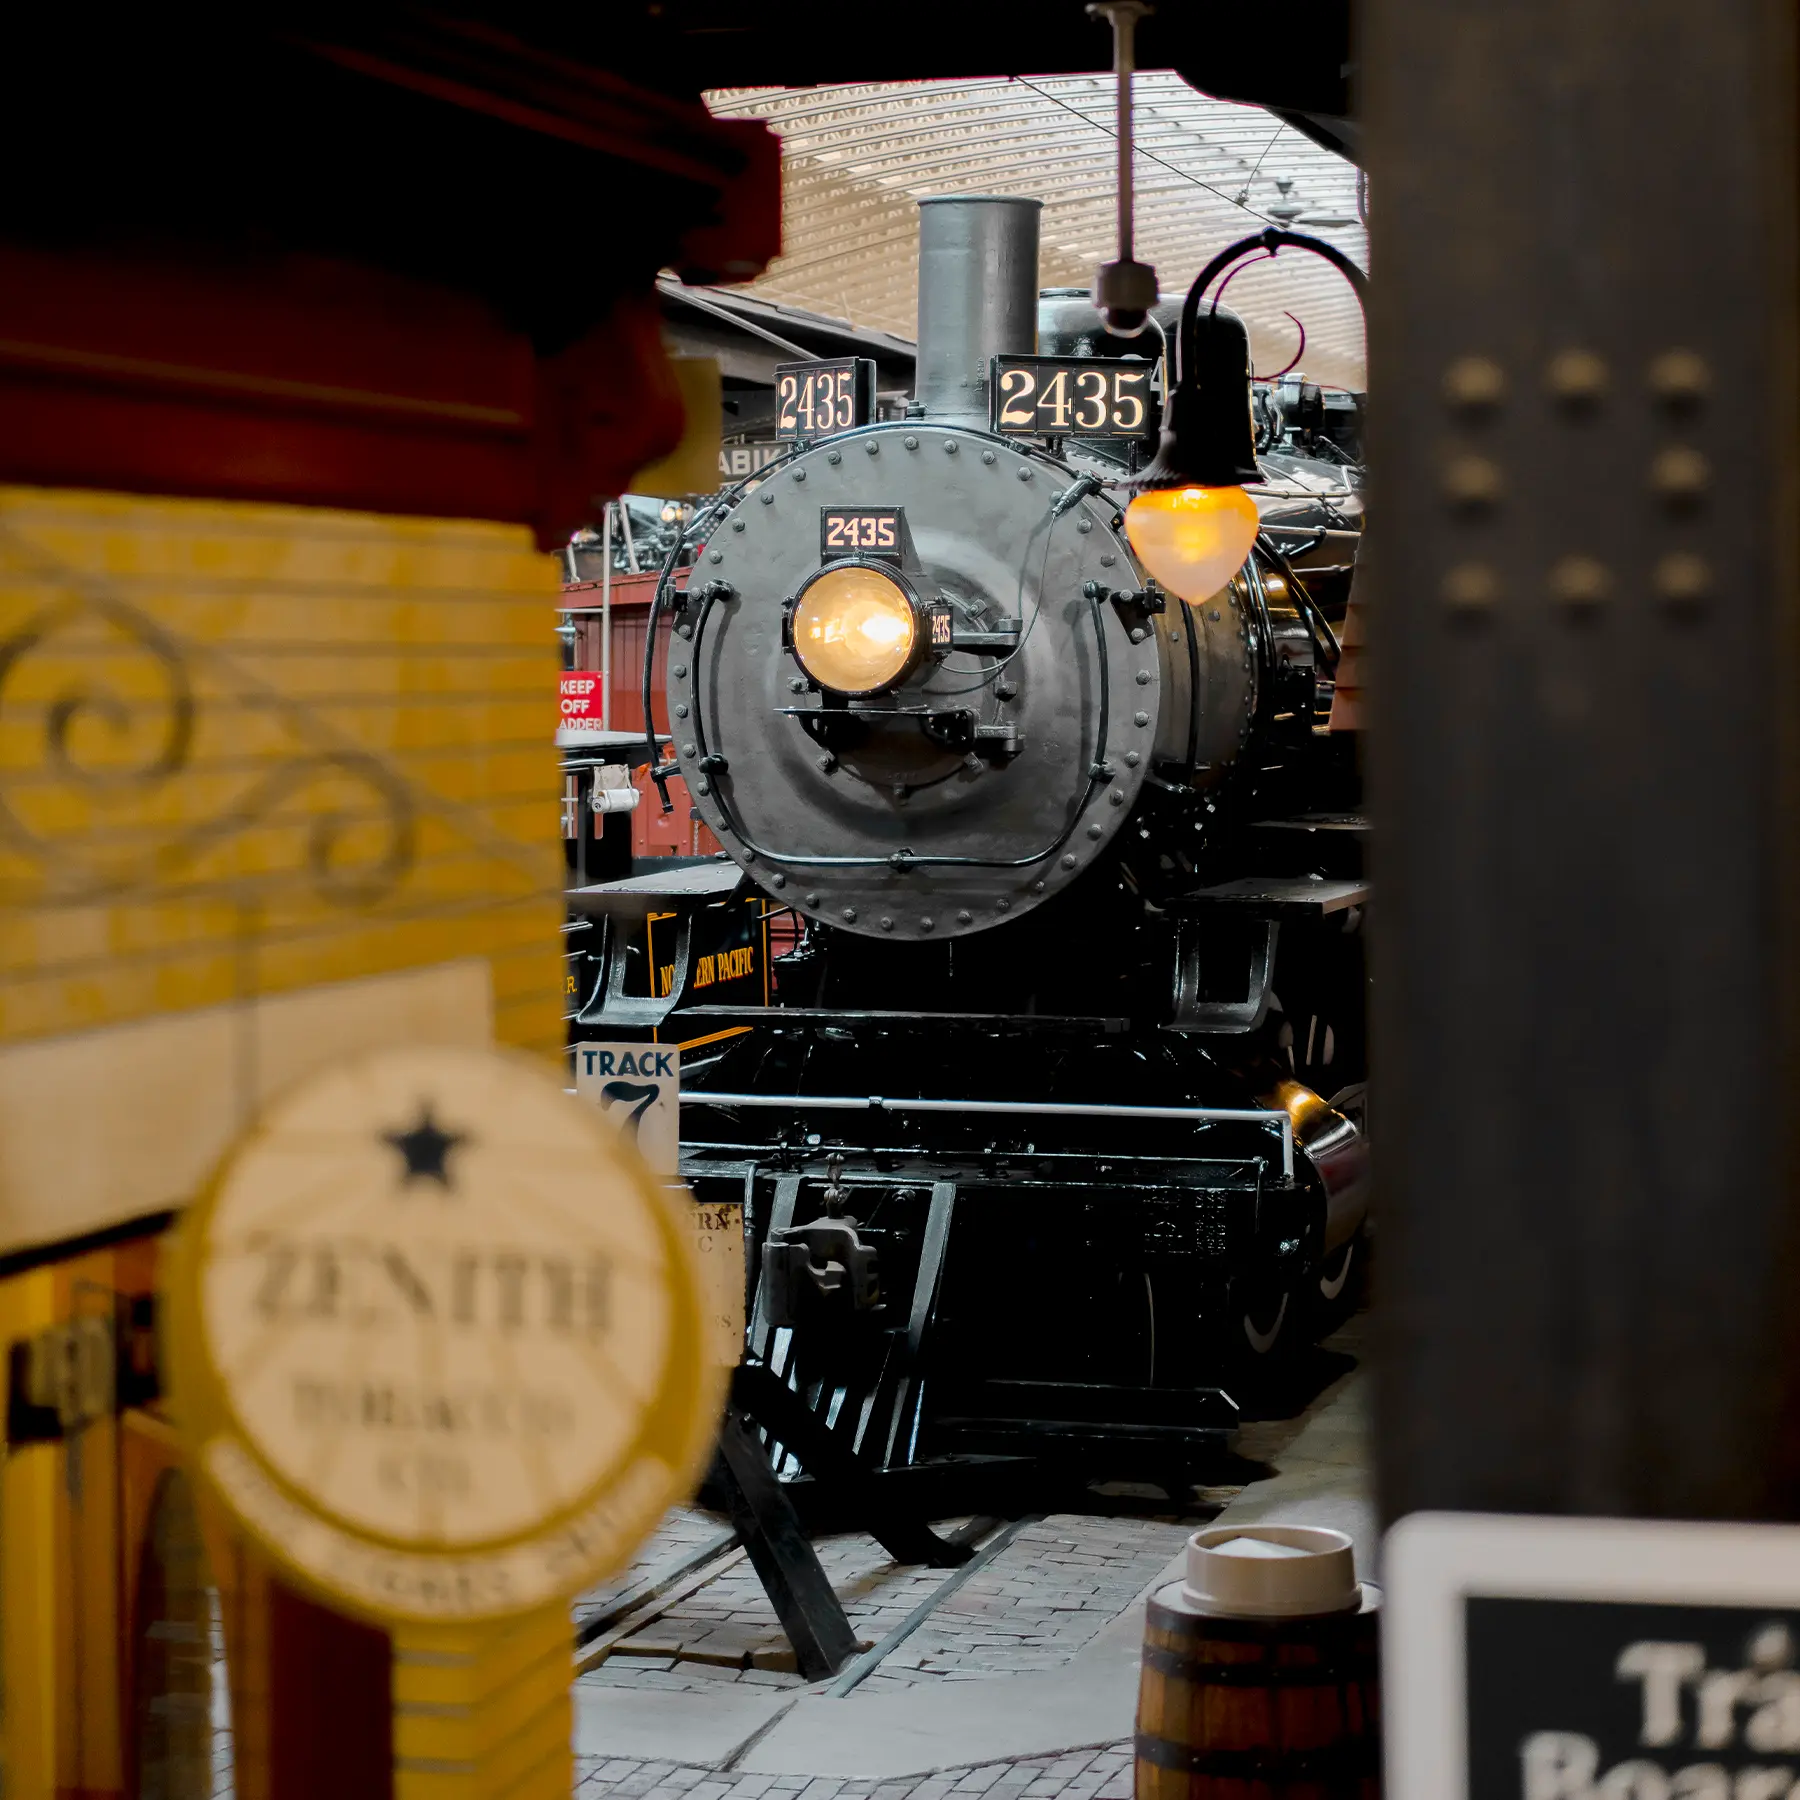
x=860 y=531
x=815 y=398
x=637 y=1088
x=1590 y=1659
x=1073 y=396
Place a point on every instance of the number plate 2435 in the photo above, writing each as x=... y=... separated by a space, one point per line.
x=1072 y=396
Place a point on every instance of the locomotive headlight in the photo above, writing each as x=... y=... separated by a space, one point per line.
x=1192 y=539
x=855 y=630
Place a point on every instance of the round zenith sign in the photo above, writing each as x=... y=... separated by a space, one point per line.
x=437 y=1337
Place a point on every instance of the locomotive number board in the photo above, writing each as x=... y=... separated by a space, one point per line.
x=1072 y=396
x=859 y=531
x=812 y=398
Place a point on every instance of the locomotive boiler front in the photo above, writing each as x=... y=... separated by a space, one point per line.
x=918 y=683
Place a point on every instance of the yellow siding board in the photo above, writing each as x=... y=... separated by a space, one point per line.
x=308 y=641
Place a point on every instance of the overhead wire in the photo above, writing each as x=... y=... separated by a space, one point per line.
x=1148 y=155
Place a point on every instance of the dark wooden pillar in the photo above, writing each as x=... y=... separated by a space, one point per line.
x=330 y=1729
x=1584 y=691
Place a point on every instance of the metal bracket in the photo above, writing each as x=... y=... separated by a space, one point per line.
x=1002 y=639
x=1190 y=1012
x=637 y=1012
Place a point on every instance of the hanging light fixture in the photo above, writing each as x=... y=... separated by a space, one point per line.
x=1191 y=524
x=1125 y=289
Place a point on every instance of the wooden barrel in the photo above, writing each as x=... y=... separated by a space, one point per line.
x=1258 y=1709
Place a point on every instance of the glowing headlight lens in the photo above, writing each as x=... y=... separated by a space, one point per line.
x=854 y=630
x=1192 y=539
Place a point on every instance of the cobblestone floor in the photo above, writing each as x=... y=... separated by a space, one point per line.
x=1043 y=1597
x=1102 y=1773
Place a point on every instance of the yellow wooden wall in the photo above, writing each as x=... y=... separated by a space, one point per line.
x=247 y=749
x=246 y=753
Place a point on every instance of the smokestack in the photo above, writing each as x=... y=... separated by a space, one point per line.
x=978 y=281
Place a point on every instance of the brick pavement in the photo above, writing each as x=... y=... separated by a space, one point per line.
x=1100 y=1773
x=1037 y=1603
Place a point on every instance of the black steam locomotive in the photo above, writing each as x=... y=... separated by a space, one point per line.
x=1053 y=1135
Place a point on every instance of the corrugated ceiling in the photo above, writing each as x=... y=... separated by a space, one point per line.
x=854 y=159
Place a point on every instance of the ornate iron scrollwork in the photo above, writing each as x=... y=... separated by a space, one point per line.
x=99 y=736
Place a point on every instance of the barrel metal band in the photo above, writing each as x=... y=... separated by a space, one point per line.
x=1333 y=1673
x=1330 y=1762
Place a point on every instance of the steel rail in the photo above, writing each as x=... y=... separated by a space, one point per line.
x=853 y=1672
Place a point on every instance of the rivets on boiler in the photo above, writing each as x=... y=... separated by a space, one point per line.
x=681 y=711
x=1132 y=759
x=679 y=670
x=1107 y=560
x=796 y=684
x=1580 y=583
x=1038 y=886
x=1096 y=832
x=703 y=786
x=687 y=749
x=1680 y=476
x=911 y=442
x=949 y=446
x=987 y=456
x=1474 y=384
x=1069 y=861
x=928 y=923
x=1003 y=904
x=1084 y=526
x=737 y=524
x=965 y=917
x=799 y=474
x=870 y=445
x=1024 y=471
x=778 y=881
x=834 y=457
x=812 y=899
x=1472 y=483
x=1577 y=379
x=1470 y=589
x=887 y=924
x=715 y=556
x=1683 y=582
x=1116 y=798
x=1141 y=718
x=849 y=915
x=1680 y=379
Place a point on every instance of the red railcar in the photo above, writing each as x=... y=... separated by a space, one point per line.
x=602 y=727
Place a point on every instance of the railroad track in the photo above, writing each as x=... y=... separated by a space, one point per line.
x=664 y=1588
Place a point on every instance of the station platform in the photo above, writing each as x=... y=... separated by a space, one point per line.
x=1021 y=1683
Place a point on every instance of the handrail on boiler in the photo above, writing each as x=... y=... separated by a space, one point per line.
x=1204 y=1115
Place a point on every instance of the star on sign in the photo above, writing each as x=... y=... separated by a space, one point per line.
x=426 y=1149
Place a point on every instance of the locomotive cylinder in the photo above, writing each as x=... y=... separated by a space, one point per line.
x=978 y=296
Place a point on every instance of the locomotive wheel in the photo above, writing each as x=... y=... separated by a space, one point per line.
x=1262 y=1319
x=1335 y=1290
x=1256 y=1327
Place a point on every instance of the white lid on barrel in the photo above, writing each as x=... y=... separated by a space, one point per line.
x=1270 y=1572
